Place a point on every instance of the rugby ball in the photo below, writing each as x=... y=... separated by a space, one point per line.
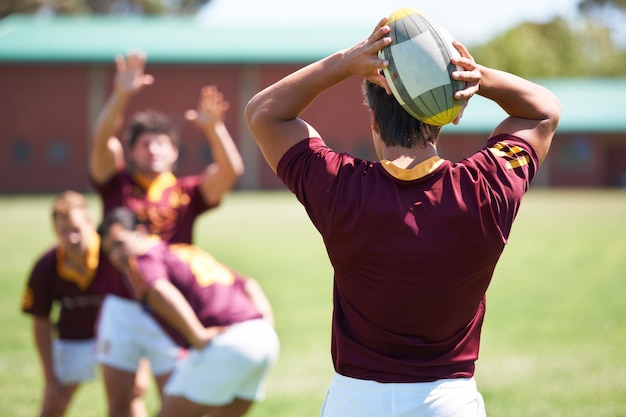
x=419 y=71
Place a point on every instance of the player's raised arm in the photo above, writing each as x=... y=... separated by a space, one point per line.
x=533 y=110
x=227 y=166
x=273 y=114
x=107 y=154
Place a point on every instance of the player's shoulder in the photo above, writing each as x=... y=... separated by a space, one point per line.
x=502 y=151
x=182 y=251
x=114 y=186
x=300 y=149
x=513 y=153
x=189 y=181
x=157 y=248
x=45 y=268
x=511 y=142
x=48 y=260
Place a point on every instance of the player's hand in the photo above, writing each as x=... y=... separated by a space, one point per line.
x=207 y=335
x=470 y=73
x=363 y=60
x=212 y=108
x=130 y=77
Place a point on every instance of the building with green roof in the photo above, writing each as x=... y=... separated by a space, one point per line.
x=56 y=72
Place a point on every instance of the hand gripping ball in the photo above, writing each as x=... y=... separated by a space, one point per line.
x=419 y=71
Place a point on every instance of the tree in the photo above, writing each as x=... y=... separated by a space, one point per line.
x=609 y=13
x=554 y=49
x=118 y=7
x=591 y=5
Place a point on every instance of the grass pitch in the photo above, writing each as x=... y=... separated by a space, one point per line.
x=554 y=339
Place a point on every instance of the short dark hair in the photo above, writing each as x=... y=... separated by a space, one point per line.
x=123 y=216
x=397 y=126
x=151 y=121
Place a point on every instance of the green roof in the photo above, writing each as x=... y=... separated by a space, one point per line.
x=588 y=104
x=165 y=39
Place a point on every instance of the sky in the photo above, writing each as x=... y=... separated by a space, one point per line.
x=479 y=23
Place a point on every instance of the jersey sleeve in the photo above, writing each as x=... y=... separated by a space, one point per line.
x=507 y=166
x=37 y=299
x=311 y=171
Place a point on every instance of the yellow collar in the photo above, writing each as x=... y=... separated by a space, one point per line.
x=417 y=172
x=68 y=273
x=155 y=188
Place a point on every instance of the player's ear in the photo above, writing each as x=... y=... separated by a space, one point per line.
x=373 y=123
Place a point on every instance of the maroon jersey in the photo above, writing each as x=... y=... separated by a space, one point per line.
x=215 y=292
x=168 y=205
x=79 y=295
x=413 y=252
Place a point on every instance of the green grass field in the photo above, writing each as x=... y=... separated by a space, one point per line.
x=554 y=340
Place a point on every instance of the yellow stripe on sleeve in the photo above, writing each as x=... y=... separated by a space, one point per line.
x=516 y=157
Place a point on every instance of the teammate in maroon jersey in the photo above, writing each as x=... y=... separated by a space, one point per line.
x=413 y=238
x=223 y=316
x=142 y=179
x=68 y=275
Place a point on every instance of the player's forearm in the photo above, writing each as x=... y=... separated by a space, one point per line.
x=42 y=332
x=227 y=166
x=259 y=299
x=289 y=97
x=224 y=151
x=519 y=97
x=169 y=304
x=107 y=155
x=110 y=119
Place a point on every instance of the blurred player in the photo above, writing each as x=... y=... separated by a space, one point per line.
x=69 y=275
x=413 y=239
x=224 y=317
x=142 y=179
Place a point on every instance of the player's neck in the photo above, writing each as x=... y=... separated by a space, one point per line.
x=76 y=260
x=147 y=176
x=408 y=158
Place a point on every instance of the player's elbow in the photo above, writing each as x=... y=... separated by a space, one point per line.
x=256 y=115
x=552 y=111
x=251 y=113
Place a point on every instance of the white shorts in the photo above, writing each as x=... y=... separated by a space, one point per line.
x=349 y=397
x=235 y=364
x=74 y=361
x=126 y=333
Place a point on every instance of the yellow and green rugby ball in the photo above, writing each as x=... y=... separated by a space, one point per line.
x=419 y=71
